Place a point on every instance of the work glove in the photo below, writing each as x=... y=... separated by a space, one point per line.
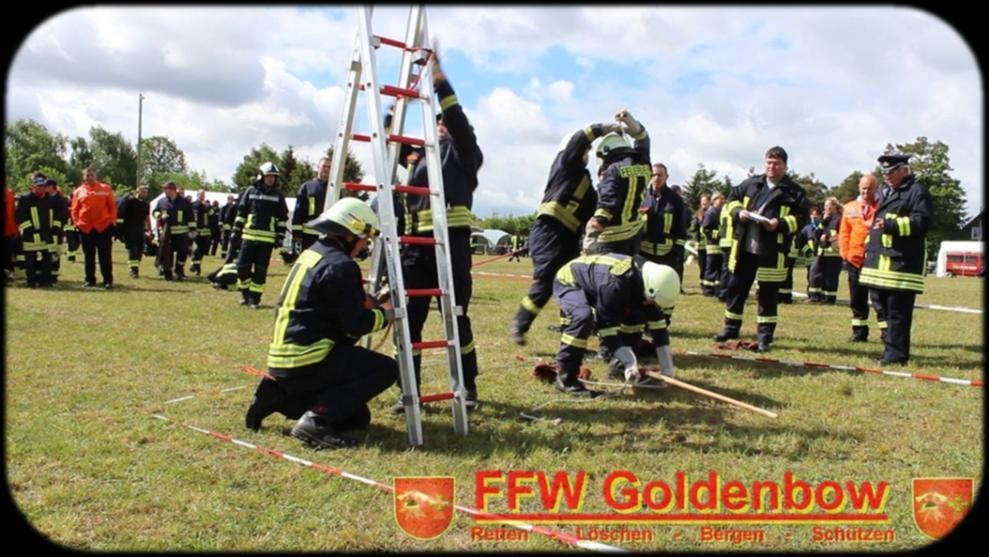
x=631 y=125
x=625 y=358
x=611 y=128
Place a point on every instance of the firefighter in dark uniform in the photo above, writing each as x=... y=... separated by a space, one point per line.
x=262 y=216
x=616 y=225
x=726 y=230
x=461 y=159
x=897 y=253
x=175 y=218
x=665 y=231
x=516 y=254
x=34 y=219
x=308 y=205
x=827 y=265
x=568 y=202
x=60 y=216
x=767 y=211
x=696 y=233
x=133 y=225
x=612 y=292
x=214 y=228
x=202 y=209
x=709 y=232
x=806 y=242
x=227 y=215
x=319 y=373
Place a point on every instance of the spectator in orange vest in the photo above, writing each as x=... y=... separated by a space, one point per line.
x=94 y=210
x=852 y=236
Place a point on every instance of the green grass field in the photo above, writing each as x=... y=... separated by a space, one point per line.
x=90 y=468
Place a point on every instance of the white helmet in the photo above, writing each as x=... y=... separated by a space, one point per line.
x=269 y=168
x=348 y=214
x=661 y=284
x=611 y=142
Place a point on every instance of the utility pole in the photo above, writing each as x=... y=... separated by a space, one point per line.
x=140 y=109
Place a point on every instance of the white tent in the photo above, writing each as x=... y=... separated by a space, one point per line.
x=490 y=238
x=953 y=247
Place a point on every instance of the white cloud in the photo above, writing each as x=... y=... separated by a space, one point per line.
x=713 y=85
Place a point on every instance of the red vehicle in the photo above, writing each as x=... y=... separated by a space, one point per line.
x=963 y=264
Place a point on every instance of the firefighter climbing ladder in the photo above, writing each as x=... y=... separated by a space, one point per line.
x=413 y=86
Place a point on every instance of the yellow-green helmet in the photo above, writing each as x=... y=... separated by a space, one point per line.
x=610 y=143
x=348 y=214
x=661 y=284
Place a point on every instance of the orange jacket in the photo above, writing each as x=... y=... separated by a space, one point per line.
x=93 y=207
x=9 y=220
x=856 y=221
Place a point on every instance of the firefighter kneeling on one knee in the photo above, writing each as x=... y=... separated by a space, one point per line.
x=319 y=373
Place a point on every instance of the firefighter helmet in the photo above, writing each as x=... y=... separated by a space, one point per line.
x=661 y=283
x=348 y=214
x=610 y=143
x=269 y=168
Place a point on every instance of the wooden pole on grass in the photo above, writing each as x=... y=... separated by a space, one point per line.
x=707 y=393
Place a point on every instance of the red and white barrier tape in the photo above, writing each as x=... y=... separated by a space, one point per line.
x=877 y=371
x=563 y=537
x=959 y=309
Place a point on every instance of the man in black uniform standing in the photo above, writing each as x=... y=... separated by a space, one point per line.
x=203 y=210
x=308 y=204
x=175 y=220
x=323 y=311
x=894 y=261
x=262 y=216
x=461 y=159
x=767 y=211
x=133 y=224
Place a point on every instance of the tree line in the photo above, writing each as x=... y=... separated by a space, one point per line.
x=30 y=147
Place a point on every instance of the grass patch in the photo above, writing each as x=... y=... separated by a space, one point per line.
x=90 y=468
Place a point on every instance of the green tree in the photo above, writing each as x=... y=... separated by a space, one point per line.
x=848 y=189
x=159 y=156
x=931 y=166
x=816 y=190
x=247 y=171
x=288 y=164
x=703 y=182
x=114 y=159
x=29 y=147
x=352 y=170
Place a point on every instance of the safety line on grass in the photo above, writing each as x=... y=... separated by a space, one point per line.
x=959 y=309
x=559 y=536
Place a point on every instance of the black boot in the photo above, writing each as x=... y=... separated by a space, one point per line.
x=572 y=386
x=255 y=302
x=314 y=430
x=268 y=398
x=245 y=297
x=725 y=335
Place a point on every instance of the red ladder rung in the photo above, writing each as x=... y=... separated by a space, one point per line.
x=414 y=190
x=420 y=292
x=359 y=187
x=361 y=137
x=417 y=241
x=430 y=344
x=438 y=396
x=393 y=91
x=390 y=42
x=407 y=140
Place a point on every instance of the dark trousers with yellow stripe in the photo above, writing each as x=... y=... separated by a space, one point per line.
x=785 y=295
x=701 y=264
x=578 y=324
x=134 y=241
x=722 y=290
x=551 y=246
x=419 y=271
x=38 y=267
x=712 y=272
x=252 y=268
x=628 y=247
x=897 y=306
x=859 y=302
x=339 y=387
x=831 y=269
x=739 y=285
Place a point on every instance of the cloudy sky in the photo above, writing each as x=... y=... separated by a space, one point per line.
x=712 y=85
